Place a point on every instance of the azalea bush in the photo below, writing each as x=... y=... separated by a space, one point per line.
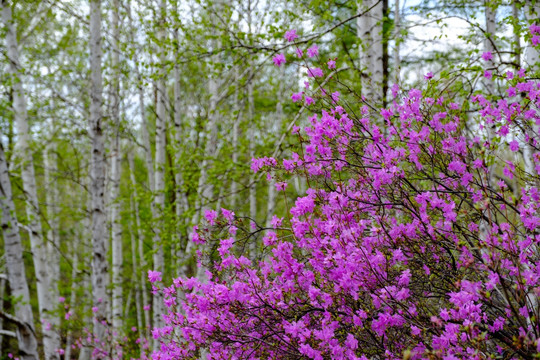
x=417 y=238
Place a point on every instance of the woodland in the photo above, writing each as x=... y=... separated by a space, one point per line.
x=269 y=179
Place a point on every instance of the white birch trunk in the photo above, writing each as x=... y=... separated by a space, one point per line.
x=51 y=339
x=141 y=275
x=369 y=32
x=115 y=157
x=159 y=173
x=53 y=245
x=397 y=36
x=532 y=60
x=235 y=134
x=181 y=200
x=18 y=284
x=489 y=41
x=97 y=174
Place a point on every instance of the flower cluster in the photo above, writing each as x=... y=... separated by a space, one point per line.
x=416 y=240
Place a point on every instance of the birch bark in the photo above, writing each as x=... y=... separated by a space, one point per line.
x=369 y=32
x=159 y=173
x=15 y=266
x=97 y=174
x=116 y=226
x=51 y=339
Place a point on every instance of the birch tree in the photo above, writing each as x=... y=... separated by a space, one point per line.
x=369 y=33
x=51 y=339
x=16 y=273
x=97 y=174
x=159 y=171
x=116 y=226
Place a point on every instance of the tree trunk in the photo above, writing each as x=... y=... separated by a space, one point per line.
x=51 y=339
x=489 y=41
x=159 y=173
x=117 y=300
x=369 y=32
x=97 y=171
x=141 y=278
x=397 y=35
x=15 y=265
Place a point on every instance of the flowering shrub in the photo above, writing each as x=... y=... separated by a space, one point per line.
x=416 y=240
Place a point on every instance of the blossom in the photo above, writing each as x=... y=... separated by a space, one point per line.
x=428 y=76
x=315 y=72
x=535 y=40
x=61 y=299
x=296 y=96
x=210 y=216
x=487 y=56
x=281 y=186
x=299 y=52
x=313 y=51
x=331 y=64
x=279 y=59
x=291 y=35
x=309 y=100
x=487 y=74
x=154 y=276
x=514 y=145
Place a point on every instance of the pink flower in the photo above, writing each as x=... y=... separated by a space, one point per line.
x=331 y=64
x=313 y=51
x=487 y=74
x=68 y=315
x=276 y=222
x=281 y=186
x=95 y=309
x=291 y=35
x=210 y=216
x=514 y=145
x=335 y=96
x=299 y=52
x=279 y=59
x=535 y=40
x=61 y=299
x=146 y=307
x=296 y=96
x=154 y=276
x=133 y=328
x=309 y=101
x=487 y=56
x=428 y=76
x=315 y=72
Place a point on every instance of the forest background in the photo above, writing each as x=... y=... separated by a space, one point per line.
x=122 y=121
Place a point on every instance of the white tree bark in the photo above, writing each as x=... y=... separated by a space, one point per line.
x=97 y=174
x=532 y=60
x=115 y=157
x=369 y=32
x=15 y=266
x=159 y=172
x=489 y=41
x=142 y=265
x=397 y=36
x=51 y=339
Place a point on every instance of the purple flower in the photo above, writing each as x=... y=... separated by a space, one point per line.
x=296 y=96
x=309 y=101
x=210 y=216
x=279 y=59
x=154 y=276
x=487 y=56
x=299 y=52
x=281 y=186
x=314 y=72
x=291 y=35
x=331 y=64
x=313 y=51
x=514 y=145
x=428 y=76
